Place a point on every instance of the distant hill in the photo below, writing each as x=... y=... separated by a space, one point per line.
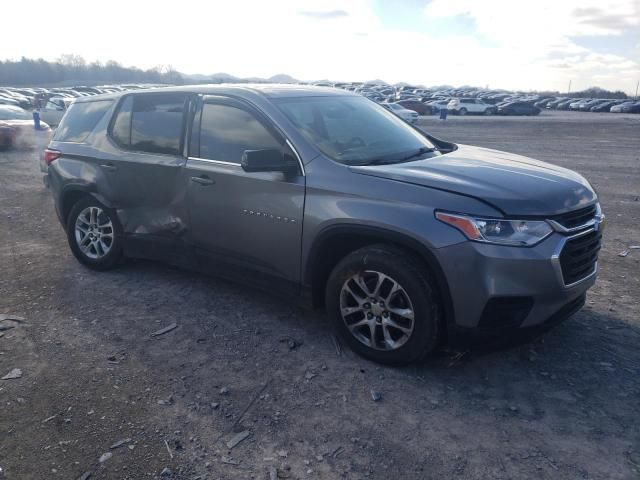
x=228 y=78
x=376 y=82
x=283 y=78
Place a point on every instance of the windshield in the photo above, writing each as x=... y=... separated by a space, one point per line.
x=6 y=114
x=354 y=130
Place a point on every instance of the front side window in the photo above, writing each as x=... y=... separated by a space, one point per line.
x=151 y=123
x=80 y=120
x=353 y=130
x=227 y=131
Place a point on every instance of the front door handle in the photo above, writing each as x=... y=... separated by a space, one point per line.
x=203 y=180
x=109 y=166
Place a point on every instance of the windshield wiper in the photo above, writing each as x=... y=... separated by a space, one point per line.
x=388 y=161
x=421 y=151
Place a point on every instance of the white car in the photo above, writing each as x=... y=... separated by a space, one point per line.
x=54 y=110
x=404 y=113
x=462 y=106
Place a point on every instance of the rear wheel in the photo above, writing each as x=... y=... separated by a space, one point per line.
x=94 y=234
x=488 y=111
x=462 y=111
x=384 y=305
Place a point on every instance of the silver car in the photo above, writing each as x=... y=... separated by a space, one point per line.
x=407 y=115
x=406 y=240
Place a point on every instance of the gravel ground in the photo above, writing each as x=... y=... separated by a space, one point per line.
x=98 y=395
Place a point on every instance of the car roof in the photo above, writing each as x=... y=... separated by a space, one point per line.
x=240 y=90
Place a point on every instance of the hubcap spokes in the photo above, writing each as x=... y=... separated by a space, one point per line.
x=94 y=232
x=377 y=310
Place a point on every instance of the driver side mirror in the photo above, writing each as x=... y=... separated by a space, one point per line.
x=268 y=160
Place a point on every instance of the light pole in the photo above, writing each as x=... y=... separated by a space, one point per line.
x=569 y=89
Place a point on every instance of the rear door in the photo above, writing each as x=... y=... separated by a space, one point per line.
x=245 y=225
x=146 y=176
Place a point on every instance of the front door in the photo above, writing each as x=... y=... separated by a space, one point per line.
x=243 y=224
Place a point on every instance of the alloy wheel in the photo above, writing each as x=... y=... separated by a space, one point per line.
x=94 y=232
x=377 y=310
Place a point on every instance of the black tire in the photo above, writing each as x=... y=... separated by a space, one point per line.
x=462 y=111
x=114 y=253
x=409 y=272
x=488 y=111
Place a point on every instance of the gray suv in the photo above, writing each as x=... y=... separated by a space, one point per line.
x=408 y=241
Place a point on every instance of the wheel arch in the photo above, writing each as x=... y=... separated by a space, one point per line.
x=335 y=242
x=72 y=194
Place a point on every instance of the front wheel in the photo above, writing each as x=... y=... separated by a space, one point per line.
x=384 y=305
x=94 y=234
x=488 y=111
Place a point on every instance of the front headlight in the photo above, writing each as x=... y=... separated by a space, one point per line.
x=522 y=233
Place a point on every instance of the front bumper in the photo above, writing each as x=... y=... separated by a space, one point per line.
x=496 y=287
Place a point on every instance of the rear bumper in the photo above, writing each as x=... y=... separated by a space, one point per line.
x=498 y=288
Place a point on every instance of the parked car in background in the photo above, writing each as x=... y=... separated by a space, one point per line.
x=6 y=100
x=575 y=105
x=564 y=105
x=630 y=106
x=404 y=113
x=23 y=101
x=53 y=110
x=462 y=106
x=415 y=105
x=542 y=103
x=437 y=105
x=554 y=103
x=605 y=106
x=18 y=128
x=7 y=135
x=518 y=108
x=316 y=193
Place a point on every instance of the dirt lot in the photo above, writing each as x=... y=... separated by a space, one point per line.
x=564 y=406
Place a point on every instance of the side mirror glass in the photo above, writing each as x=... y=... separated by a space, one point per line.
x=268 y=160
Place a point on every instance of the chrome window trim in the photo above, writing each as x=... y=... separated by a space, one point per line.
x=217 y=162
x=304 y=174
x=222 y=162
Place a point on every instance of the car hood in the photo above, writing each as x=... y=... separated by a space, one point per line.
x=514 y=184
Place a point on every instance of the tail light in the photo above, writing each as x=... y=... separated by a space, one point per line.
x=51 y=156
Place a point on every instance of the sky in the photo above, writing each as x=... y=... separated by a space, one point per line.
x=511 y=44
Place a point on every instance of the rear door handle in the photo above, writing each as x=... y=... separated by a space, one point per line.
x=203 y=180
x=109 y=166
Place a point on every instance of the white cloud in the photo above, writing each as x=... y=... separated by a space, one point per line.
x=535 y=41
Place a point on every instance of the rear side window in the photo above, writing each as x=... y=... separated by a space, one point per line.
x=121 y=128
x=150 y=123
x=226 y=132
x=80 y=120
